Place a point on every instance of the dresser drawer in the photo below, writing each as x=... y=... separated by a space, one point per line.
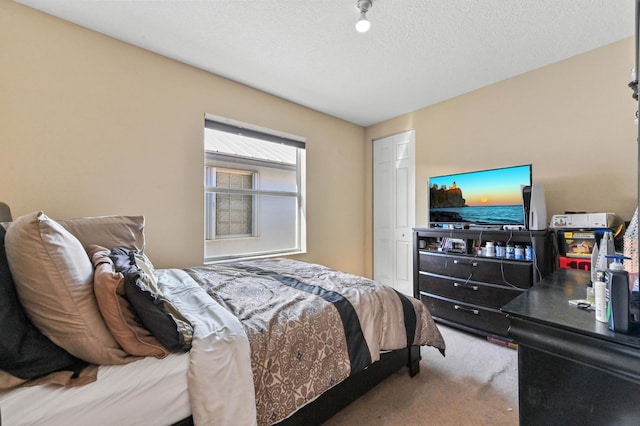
x=472 y=316
x=481 y=269
x=467 y=291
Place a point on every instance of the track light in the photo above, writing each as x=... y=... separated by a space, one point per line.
x=363 y=24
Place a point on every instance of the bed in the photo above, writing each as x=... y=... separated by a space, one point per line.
x=97 y=335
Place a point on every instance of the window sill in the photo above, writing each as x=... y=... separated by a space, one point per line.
x=226 y=259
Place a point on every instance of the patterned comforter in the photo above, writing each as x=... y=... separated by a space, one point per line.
x=308 y=327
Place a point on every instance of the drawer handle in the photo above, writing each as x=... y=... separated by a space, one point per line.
x=467 y=286
x=459 y=262
x=462 y=308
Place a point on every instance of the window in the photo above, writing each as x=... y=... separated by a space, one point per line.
x=254 y=191
x=231 y=214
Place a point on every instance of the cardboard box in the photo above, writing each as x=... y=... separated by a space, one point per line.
x=578 y=243
x=583 y=220
x=574 y=263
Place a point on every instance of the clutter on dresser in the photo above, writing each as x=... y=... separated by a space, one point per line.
x=611 y=256
x=580 y=235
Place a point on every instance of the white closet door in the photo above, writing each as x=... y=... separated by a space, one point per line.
x=383 y=257
x=394 y=210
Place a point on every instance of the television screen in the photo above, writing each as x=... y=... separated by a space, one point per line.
x=485 y=197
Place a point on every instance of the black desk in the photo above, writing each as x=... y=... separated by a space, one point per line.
x=571 y=368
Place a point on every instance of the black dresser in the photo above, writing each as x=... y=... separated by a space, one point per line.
x=571 y=368
x=465 y=289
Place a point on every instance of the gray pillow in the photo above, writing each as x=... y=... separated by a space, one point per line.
x=108 y=231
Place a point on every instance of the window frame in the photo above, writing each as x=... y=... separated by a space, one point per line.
x=247 y=165
x=212 y=234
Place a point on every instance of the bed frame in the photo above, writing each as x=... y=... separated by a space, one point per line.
x=347 y=391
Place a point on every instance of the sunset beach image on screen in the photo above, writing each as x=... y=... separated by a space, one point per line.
x=481 y=197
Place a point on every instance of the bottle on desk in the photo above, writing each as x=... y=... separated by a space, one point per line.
x=617 y=296
x=600 y=294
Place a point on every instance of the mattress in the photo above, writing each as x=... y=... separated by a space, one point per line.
x=150 y=391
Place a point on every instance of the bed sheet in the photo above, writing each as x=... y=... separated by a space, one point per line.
x=150 y=391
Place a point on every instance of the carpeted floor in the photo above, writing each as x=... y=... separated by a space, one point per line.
x=475 y=384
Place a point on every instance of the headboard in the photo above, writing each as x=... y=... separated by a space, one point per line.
x=5 y=213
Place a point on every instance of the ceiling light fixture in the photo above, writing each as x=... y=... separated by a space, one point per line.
x=363 y=25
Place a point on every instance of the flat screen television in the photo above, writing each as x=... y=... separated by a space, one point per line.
x=491 y=198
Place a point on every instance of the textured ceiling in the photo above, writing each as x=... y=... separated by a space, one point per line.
x=417 y=53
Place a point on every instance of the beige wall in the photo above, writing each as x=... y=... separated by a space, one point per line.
x=572 y=120
x=93 y=126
